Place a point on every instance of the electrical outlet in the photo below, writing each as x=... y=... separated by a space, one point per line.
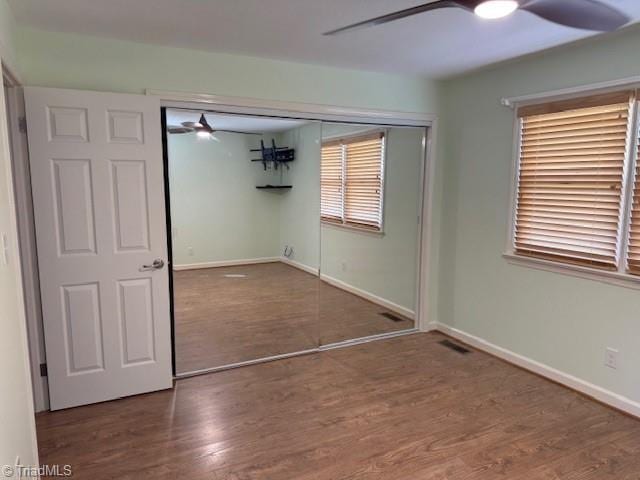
x=190 y=251
x=611 y=358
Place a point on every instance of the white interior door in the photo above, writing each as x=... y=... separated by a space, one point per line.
x=98 y=192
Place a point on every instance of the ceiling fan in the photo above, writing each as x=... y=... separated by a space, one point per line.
x=584 y=14
x=202 y=128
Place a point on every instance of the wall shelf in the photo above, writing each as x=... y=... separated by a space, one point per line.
x=274 y=187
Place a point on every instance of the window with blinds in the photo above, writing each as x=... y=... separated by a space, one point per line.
x=571 y=180
x=351 y=181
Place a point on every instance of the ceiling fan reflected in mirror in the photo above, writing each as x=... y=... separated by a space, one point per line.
x=202 y=128
x=584 y=14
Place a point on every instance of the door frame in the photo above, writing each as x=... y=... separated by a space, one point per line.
x=26 y=238
x=273 y=108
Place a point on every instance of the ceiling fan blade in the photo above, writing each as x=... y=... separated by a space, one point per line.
x=175 y=129
x=191 y=125
x=236 y=131
x=390 y=17
x=584 y=14
x=204 y=124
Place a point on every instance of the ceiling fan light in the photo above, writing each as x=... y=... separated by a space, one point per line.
x=492 y=9
x=203 y=134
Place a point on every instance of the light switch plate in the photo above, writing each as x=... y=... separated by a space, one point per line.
x=611 y=358
x=4 y=249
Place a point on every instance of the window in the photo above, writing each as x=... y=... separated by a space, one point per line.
x=351 y=181
x=575 y=194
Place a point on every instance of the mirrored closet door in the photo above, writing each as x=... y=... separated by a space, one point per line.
x=289 y=235
x=370 y=204
x=244 y=206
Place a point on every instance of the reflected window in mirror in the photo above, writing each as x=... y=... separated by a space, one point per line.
x=352 y=180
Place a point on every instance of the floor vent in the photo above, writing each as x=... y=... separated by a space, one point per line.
x=392 y=317
x=454 y=346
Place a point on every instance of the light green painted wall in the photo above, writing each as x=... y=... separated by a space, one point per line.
x=17 y=424
x=7 y=33
x=384 y=265
x=300 y=212
x=215 y=206
x=561 y=321
x=75 y=61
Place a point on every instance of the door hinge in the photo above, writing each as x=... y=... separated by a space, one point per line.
x=43 y=370
x=22 y=124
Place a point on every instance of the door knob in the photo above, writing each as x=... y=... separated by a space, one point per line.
x=156 y=265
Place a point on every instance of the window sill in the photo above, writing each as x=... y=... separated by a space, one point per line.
x=612 y=278
x=343 y=226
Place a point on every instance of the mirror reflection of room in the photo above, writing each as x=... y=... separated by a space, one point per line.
x=371 y=183
x=244 y=204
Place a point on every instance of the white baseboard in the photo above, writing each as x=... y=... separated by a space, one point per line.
x=225 y=263
x=394 y=307
x=612 y=399
x=300 y=266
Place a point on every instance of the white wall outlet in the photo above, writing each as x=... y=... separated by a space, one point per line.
x=190 y=251
x=611 y=358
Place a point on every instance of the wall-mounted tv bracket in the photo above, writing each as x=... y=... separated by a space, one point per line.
x=274 y=155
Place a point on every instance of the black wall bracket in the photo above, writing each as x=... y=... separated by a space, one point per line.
x=276 y=156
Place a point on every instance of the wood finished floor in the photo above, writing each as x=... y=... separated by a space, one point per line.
x=405 y=408
x=275 y=309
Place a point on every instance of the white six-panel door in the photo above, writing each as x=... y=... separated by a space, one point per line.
x=98 y=191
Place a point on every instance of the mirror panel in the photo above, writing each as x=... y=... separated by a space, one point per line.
x=245 y=238
x=369 y=230
x=282 y=251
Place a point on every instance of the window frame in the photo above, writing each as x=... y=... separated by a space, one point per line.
x=343 y=224
x=620 y=276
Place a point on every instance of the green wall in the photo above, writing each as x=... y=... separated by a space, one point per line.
x=7 y=33
x=300 y=211
x=83 y=62
x=559 y=320
x=216 y=209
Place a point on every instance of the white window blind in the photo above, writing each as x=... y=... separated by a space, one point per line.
x=633 y=257
x=352 y=181
x=571 y=178
x=331 y=183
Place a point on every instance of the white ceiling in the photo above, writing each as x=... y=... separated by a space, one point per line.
x=434 y=44
x=238 y=123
